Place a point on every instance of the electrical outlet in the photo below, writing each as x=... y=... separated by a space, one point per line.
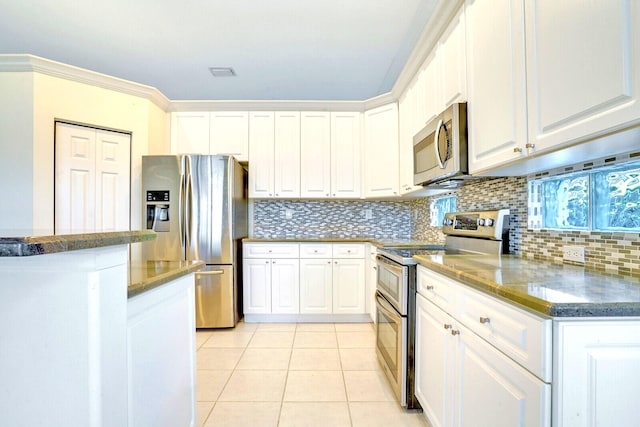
x=288 y=213
x=573 y=253
x=368 y=214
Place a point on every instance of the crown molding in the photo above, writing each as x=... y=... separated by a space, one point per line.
x=433 y=29
x=36 y=64
x=270 y=105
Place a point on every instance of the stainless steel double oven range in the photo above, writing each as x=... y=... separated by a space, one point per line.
x=478 y=232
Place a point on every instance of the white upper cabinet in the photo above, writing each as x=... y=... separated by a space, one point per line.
x=190 y=133
x=261 y=154
x=287 y=155
x=346 y=171
x=583 y=69
x=428 y=104
x=453 y=64
x=229 y=134
x=315 y=154
x=380 y=151
x=497 y=109
x=407 y=128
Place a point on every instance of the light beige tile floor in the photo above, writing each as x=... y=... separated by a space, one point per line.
x=305 y=374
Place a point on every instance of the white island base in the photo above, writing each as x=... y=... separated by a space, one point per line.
x=75 y=351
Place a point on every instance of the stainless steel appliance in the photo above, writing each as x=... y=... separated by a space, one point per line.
x=484 y=232
x=198 y=206
x=440 y=149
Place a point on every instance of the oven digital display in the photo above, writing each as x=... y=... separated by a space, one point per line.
x=466 y=222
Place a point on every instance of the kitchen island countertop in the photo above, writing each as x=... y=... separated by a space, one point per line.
x=555 y=290
x=144 y=276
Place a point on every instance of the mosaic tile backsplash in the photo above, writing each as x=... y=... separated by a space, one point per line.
x=409 y=219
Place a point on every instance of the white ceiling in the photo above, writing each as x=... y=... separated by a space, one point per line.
x=280 y=49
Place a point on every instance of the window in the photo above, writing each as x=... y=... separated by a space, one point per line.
x=439 y=207
x=604 y=199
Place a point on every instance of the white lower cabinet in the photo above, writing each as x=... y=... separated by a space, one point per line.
x=462 y=379
x=304 y=279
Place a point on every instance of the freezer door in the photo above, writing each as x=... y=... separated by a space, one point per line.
x=208 y=210
x=215 y=297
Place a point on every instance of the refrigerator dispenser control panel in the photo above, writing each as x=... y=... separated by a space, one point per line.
x=157 y=196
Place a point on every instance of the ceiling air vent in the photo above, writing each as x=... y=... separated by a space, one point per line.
x=222 y=71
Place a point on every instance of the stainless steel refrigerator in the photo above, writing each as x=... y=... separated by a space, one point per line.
x=197 y=204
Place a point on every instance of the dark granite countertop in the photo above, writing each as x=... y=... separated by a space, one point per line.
x=145 y=276
x=556 y=290
x=42 y=245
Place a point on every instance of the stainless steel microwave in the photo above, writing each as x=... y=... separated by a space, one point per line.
x=440 y=148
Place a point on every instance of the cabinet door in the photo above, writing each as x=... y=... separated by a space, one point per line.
x=256 y=287
x=285 y=286
x=190 y=133
x=496 y=82
x=407 y=119
x=261 y=154
x=287 y=155
x=583 y=76
x=596 y=373
x=429 y=89
x=229 y=134
x=348 y=286
x=381 y=151
x=315 y=154
x=346 y=172
x=316 y=278
x=489 y=380
x=453 y=65
x=434 y=360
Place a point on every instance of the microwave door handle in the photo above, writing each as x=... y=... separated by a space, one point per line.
x=437 y=146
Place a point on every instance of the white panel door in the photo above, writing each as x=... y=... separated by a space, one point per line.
x=316 y=278
x=453 y=64
x=287 y=155
x=256 y=295
x=75 y=172
x=92 y=180
x=229 y=134
x=434 y=363
x=583 y=76
x=190 y=133
x=285 y=286
x=315 y=154
x=380 y=158
x=348 y=286
x=261 y=154
x=113 y=170
x=346 y=158
x=497 y=110
x=489 y=380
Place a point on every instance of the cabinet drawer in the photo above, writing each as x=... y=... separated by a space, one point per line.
x=271 y=250
x=348 y=250
x=523 y=336
x=315 y=250
x=436 y=288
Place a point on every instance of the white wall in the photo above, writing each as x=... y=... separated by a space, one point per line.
x=33 y=102
x=16 y=152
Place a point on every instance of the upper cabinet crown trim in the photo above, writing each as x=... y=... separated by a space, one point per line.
x=36 y=64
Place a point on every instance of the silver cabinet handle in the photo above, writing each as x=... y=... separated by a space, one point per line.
x=447 y=326
x=530 y=145
x=484 y=320
x=517 y=150
x=209 y=273
x=455 y=332
x=430 y=287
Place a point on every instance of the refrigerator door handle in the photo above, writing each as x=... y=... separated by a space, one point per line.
x=181 y=206
x=188 y=200
x=209 y=273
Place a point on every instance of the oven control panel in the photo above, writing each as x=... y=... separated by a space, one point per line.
x=482 y=224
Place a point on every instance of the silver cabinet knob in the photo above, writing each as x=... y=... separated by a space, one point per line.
x=484 y=320
x=517 y=150
x=447 y=326
x=455 y=332
x=530 y=145
x=430 y=287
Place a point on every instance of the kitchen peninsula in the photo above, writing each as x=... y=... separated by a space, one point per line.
x=87 y=337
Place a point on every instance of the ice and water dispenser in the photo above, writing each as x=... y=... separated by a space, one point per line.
x=158 y=211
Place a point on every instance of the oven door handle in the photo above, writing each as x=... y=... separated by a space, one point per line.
x=391 y=265
x=388 y=309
